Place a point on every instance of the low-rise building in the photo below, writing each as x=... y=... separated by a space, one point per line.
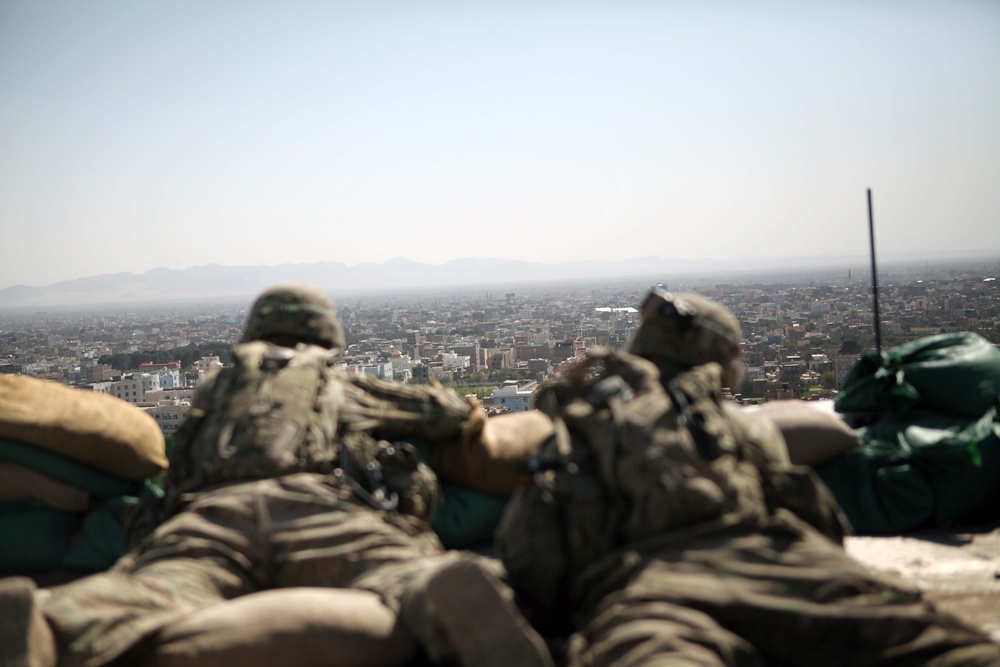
x=515 y=396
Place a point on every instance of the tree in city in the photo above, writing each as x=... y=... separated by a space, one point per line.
x=850 y=346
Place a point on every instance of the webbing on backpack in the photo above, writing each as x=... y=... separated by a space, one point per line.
x=280 y=411
x=632 y=460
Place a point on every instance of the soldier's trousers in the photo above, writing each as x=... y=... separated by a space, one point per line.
x=778 y=595
x=297 y=530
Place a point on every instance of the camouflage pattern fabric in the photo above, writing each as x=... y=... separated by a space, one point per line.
x=287 y=473
x=282 y=410
x=625 y=467
x=291 y=313
x=669 y=532
x=767 y=593
x=679 y=332
x=296 y=530
x=274 y=412
x=393 y=411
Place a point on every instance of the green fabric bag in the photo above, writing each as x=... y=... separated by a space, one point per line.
x=917 y=470
x=956 y=373
x=931 y=448
x=102 y=537
x=466 y=518
x=34 y=537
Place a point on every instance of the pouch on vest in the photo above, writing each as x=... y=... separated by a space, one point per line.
x=390 y=476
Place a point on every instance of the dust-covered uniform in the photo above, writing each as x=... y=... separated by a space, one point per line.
x=665 y=533
x=290 y=472
x=292 y=512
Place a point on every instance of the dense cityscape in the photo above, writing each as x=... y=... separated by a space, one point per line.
x=801 y=334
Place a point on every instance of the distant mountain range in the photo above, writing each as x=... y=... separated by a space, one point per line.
x=213 y=281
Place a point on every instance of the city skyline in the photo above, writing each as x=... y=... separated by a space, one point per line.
x=182 y=134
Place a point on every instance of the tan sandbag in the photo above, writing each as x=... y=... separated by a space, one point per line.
x=495 y=461
x=288 y=627
x=812 y=430
x=756 y=429
x=18 y=482
x=88 y=426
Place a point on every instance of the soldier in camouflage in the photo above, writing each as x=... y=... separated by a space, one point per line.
x=288 y=472
x=664 y=529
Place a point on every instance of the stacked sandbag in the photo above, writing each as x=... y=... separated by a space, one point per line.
x=955 y=373
x=814 y=433
x=71 y=462
x=927 y=415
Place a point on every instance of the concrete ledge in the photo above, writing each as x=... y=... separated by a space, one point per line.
x=958 y=570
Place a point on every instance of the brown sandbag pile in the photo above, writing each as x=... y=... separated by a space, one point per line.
x=87 y=426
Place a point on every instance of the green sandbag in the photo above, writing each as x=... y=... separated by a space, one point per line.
x=467 y=518
x=102 y=537
x=879 y=492
x=96 y=482
x=922 y=469
x=34 y=537
x=37 y=538
x=956 y=373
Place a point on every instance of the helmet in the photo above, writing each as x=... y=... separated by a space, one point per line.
x=291 y=313
x=682 y=331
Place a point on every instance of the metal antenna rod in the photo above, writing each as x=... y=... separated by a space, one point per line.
x=871 y=239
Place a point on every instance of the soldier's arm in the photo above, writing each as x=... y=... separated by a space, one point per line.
x=396 y=411
x=466 y=448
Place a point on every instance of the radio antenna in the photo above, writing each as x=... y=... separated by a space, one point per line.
x=871 y=241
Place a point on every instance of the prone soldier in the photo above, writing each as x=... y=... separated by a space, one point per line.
x=667 y=529
x=288 y=472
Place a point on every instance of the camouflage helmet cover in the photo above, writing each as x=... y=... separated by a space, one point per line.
x=681 y=331
x=290 y=313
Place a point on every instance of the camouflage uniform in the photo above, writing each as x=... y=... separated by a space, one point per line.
x=288 y=472
x=671 y=532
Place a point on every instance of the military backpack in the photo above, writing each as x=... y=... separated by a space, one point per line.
x=281 y=411
x=635 y=461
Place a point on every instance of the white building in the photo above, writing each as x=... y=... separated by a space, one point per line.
x=103 y=387
x=401 y=366
x=170 y=394
x=383 y=371
x=206 y=364
x=169 y=378
x=515 y=396
x=169 y=414
x=134 y=387
x=454 y=361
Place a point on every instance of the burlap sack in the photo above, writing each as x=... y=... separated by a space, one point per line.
x=812 y=430
x=290 y=627
x=496 y=462
x=88 y=426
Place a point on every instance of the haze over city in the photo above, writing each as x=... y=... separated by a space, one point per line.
x=179 y=134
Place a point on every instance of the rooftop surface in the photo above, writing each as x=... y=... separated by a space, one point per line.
x=958 y=570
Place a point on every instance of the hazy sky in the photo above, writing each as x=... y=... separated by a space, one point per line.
x=179 y=133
